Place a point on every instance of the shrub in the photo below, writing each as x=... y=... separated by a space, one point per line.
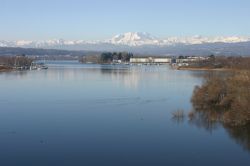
x=229 y=95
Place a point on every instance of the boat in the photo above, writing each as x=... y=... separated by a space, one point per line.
x=38 y=66
x=42 y=66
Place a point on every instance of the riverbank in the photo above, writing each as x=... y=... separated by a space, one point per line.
x=224 y=98
x=203 y=69
x=5 y=69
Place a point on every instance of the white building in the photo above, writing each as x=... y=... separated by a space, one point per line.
x=189 y=59
x=162 y=60
x=139 y=60
x=154 y=60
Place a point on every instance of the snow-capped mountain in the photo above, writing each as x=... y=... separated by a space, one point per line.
x=204 y=40
x=138 y=39
x=144 y=43
x=134 y=39
x=131 y=39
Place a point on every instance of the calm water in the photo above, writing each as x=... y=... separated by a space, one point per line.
x=88 y=115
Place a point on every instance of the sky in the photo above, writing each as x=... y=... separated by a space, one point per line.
x=102 y=19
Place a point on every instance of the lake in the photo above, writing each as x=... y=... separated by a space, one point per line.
x=114 y=115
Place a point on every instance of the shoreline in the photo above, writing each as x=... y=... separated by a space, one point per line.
x=5 y=69
x=203 y=69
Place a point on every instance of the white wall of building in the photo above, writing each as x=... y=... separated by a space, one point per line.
x=139 y=60
x=150 y=60
x=162 y=60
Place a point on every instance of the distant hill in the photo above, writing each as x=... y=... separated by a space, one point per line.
x=224 y=49
x=6 y=51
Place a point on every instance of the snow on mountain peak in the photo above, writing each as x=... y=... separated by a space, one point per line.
x=142 y=38
x=134 y=39
x=127 y=39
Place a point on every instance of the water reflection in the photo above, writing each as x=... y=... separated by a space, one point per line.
x=129 y=76
x=105 y=114
x=205 y=115
x=14 y=74
x=178 y=120
x=203 y=120
x=241 y=135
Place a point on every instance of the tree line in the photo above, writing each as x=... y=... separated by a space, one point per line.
x=216 y=62
x=107 y=57
x=15 y=61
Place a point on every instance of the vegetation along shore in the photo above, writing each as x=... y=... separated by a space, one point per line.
x=19 y=62
x=225 y=97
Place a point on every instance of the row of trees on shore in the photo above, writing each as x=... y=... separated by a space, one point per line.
x=15 y=61
x=235 y=63
x=107 y=57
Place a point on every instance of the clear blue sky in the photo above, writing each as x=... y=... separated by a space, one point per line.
x=101 y=19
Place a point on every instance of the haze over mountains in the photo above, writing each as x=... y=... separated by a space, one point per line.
x=144 y=43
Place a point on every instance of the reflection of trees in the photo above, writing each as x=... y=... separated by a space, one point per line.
x=16 y=74
x=223 y=101
x=126 y=75
x=129 y=77
x=178 y=120
x=178 y=116
x=207 y=121
x=134 y=76
x=241 y=135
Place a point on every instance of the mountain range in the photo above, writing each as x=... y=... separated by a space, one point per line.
x=145 y=43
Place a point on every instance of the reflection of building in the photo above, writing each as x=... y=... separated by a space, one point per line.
x=155 y=60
